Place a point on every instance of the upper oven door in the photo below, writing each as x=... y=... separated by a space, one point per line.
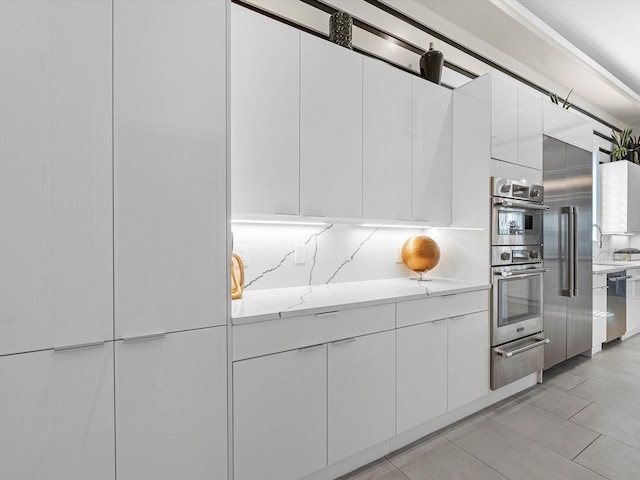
x=516 y=223
x=516 y=303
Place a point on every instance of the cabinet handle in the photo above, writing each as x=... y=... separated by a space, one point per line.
x=78 y=346
x=449 y=295
x=140 y=338
x=327 y=314
x=310 y=347
x=346 y=340
x=457 y=317
x=440 y=321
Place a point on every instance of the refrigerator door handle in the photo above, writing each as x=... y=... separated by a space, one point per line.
x=575 y=251
x=570 y=265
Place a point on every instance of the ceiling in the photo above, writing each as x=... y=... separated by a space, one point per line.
x=587 y=45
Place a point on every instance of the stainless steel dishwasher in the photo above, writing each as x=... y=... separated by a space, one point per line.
x=616 y=304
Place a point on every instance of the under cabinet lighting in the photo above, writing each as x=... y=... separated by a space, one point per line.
x=394 y=225
x=278 y=222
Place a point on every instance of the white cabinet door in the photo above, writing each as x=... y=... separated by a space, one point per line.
x=529 y=130
x=600 y=317
x=55 y=175
x=280 y=415
x=432 y=153
x=361 y=393
x=468 y=358
x=386 y=141
x=619 y=197
x=171 y=406
x=56 y=419
x=504 y=119
x=422 y=374
x=567 y=126
x=265 y=114
x=330 y=129
x=633 y=302
x=170 y=165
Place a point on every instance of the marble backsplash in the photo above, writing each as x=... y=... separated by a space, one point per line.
x=336 y=253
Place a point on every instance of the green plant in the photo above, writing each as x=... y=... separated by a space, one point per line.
x=622 y=140
x=565 y=102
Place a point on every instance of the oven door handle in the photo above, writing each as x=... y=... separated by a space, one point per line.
x=528 y=206
x=511 y=353
x=521 y=273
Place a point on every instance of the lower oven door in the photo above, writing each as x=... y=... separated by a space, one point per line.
x=516 y=302
x=515 y=360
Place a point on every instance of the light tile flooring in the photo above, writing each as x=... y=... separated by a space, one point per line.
x=582 y=423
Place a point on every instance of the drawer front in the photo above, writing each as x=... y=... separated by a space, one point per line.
x=263 y=338
x=435 y=308
x=599 y=280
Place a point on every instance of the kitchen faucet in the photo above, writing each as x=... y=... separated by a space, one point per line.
x=600 y=237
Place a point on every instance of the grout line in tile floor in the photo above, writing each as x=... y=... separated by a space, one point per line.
x=591 y=443
x=586 y=406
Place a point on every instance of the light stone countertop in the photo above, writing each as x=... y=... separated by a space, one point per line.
x=271 y=304
x=614 y=266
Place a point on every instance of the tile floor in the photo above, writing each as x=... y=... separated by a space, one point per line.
x=582 y=423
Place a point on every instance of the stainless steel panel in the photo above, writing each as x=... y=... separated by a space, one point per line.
x=516 y=360
x=555 y=251
x=580 y=306
x=616 y=305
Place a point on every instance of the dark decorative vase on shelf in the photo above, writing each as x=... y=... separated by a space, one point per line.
x=340 y=26
x=431 y=63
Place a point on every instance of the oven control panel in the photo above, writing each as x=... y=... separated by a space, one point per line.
x=503 y=255
x=516 y=189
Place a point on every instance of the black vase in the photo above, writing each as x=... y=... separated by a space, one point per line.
x=431 y=63
x=340 y=26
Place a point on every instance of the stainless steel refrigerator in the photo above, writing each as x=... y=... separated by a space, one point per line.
x=568 y=315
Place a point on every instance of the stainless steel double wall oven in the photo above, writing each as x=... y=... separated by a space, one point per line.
x=517 y=333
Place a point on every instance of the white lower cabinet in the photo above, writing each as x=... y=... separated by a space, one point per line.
x=56 y=420
x=600 y=311
x=422 y=373
x=280 y=414
x=468 y=358
x=171 y=406
x=633 y=302
x=361 y=398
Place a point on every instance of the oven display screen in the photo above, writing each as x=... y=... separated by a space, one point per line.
x=514 y=223
x=519 y=299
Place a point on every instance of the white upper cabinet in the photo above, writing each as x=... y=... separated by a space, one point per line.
x=265 y=114
x=386 y=141
x=171 y=406
x=56 y=420
x=529 y=130
x=620 y=197
x=504 y=119
x=516 y=124
x=330 y=129
x=567 y=126
x=431 y=153
x=170 y=165
x=55 y=175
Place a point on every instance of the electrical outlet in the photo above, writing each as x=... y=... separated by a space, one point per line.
x=243 y=252
x=300 y=254
x=397 y=255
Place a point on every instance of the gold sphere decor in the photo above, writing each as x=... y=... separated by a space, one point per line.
x=420 y=254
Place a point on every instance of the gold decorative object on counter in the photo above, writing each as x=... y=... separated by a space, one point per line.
x=420 y=254
x=237 y=277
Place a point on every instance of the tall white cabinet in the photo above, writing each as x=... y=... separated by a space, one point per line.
x=169 y=165
x=55 y=175
x=170 y=238
x=66 y=384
